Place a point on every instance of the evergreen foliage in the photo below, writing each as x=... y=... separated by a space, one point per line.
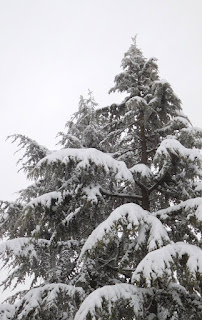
x=111 y=226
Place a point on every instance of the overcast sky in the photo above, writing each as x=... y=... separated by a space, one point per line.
x=53 y=51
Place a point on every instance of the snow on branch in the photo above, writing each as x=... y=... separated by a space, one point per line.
x=136 y=101
x=191 y=207
x=18 y=247
x=160 y=264
x=176 y=123
x=132 y=216
x=84 y=158
x=173 y=146
x=107 y=298
x=49 y=298
x=7 y=311
x=92 y=192
x=26 y=247
x=141 y=169
x=33 y=151
x=46 y=199
x=120 y=195
x=17 y=255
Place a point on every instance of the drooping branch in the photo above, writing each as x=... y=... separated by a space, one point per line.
x=141 y=186
x=120 y=195
x=155 y=185
x=151 y=150
x=169 y=193
x=118 y=154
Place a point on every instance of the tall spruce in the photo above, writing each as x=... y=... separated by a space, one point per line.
x=110 y=228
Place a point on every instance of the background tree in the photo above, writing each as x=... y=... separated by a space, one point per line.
x=111 y=226
x=83 y=130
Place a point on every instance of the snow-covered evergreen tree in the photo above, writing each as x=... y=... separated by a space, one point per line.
x=111 y=226
x=83 y=130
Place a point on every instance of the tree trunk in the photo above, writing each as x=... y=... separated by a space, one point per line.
x=145 y=193
x=145 y=200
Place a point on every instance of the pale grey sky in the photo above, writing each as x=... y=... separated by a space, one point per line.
x=53 y=51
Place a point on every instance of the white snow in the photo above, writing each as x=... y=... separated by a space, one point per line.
x=135 y=99
x=191 y=207
x=45 y=199
x=46 y=295
x=162 y=262
x=73 y=138
x=198 y=186
x=176 y=120
x=91 y=192
x=162 y=81
x=18 y=246
x=142 y=169
x=173 y=146
x=22 y=247
x=6 y=311
x=195 y=130
x=110 y=294
x=85 y=158
x=133 y=216
x=183 y=120
x=70 y=216
x=181 y=113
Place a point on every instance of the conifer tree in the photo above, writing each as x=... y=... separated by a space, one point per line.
x=83 y=130
x=111 y=226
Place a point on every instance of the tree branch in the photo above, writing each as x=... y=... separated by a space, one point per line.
x=157 y=183
x=120 y=195
x=142 y=186
x=118 y=154
x=151 y=150
x=171 y=194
